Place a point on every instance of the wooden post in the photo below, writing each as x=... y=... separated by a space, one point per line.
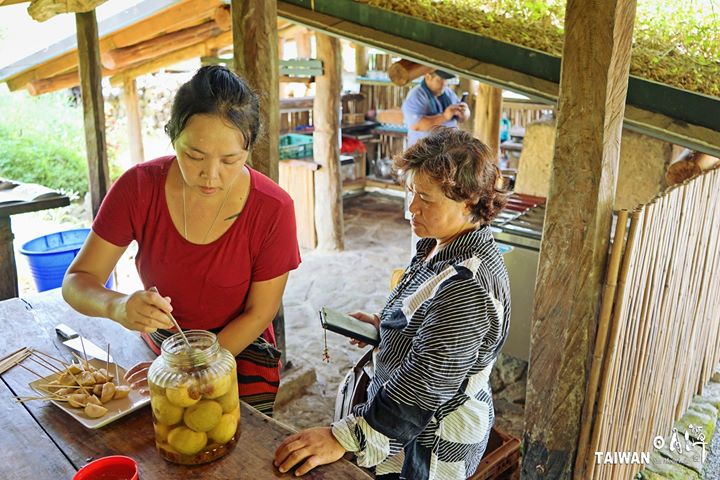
x=255 y=56
x=488 y=110
x=303 y=43
x=361 y=63
x=593 y=87
x=326 y=146
x=8 y=275
x=93 y=106
x=132 y=107
x=467 y=85
x=255 y=52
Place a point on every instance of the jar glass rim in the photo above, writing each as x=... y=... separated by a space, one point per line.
x=204 y=345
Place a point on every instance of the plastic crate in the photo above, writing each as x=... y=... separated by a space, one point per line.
x=501 y=459
x=295 y=146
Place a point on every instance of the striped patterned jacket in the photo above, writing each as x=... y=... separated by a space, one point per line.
x=429 y=409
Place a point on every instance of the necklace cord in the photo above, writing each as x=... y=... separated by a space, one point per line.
x=185 y=234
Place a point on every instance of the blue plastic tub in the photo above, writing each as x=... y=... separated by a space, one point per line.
x=50 y=256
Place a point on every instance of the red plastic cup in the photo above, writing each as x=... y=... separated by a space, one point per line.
x=116 y=467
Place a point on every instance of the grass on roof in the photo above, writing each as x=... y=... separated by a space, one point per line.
x=675 y=42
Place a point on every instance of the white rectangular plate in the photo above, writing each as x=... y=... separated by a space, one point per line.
x=116 y=408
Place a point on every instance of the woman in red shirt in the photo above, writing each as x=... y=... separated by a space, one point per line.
x=215 y=237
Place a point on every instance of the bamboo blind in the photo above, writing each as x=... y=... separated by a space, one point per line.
x=658 y=335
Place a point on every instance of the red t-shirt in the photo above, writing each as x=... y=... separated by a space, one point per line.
x=208 y=284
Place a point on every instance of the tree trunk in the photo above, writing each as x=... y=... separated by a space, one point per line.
x=132 y=107
x=255 y=52
x=593 y=88
x=93 y=106
x=326 y=146
x=488 y=109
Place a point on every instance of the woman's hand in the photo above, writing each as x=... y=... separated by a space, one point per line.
x=367 y=318
x=317 y=446
x=143 y=311
x=137 y=377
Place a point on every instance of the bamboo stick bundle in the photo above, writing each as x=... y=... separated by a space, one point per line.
x=13 y=359
x=607 y=410
x=646 y=333
x=608 y=299
x=705 y=252
x=657 y=421
x=686 y=340
x=621 y=339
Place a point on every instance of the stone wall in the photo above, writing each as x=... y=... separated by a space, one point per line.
x=643 y=162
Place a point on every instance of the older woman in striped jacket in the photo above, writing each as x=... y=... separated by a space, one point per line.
x=429 y=409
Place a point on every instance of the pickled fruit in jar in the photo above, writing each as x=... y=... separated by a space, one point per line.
x=194 y=399
x=204 y=416
x=225 y=429
x=165 y=412
x=182 y=395
x=187 y=441
x=216 y=387
x=229 y=401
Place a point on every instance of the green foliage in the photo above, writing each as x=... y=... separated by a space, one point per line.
x=42 y=141
x=676 y=42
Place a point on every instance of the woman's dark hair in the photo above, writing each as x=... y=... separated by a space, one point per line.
x=216 y=90
x=463 y=166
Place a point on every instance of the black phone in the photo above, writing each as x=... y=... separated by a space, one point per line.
x=464 y=97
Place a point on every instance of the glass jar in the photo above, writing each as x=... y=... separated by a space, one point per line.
x=194 y=399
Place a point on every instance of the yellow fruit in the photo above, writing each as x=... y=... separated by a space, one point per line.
x=224 y=430
x=164 y=411
x=203 y=416
x=161 y=432
x=217 y=387
x=155 y=389
x=181 y=396
x=229 y=401
x=187 y=441
x=236 y=413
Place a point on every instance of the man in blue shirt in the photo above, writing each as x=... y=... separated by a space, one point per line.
x=431 y=104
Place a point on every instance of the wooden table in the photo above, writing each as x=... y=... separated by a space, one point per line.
x=39 y=441
x=8 y=272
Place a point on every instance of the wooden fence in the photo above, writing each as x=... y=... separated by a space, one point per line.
x=659 y=328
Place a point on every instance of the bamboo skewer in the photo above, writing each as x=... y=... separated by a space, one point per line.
x=82 y=344
x=38 y=352
x=44 y=363
x=30 y=370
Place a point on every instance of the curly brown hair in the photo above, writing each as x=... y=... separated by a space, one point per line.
x=464 y=168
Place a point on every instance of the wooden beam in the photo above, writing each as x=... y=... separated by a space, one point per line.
x=640 y=120
x=41 y=10
x=404 y=71
x=593 y=89
x=488 y=110
x=134 y=117
x=119 y=58
x=255 y=53
x=188 y=13
x=326 y=145
x=93 y=107
x=193 y=51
